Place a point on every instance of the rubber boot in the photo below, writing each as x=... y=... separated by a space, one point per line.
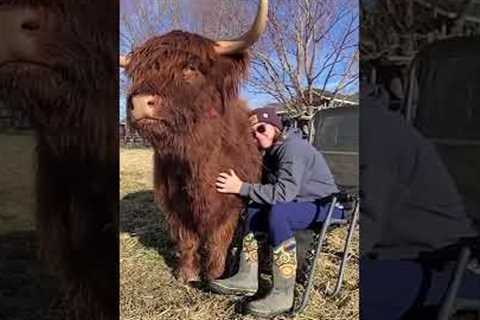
x=280 y=297
x=245 y=281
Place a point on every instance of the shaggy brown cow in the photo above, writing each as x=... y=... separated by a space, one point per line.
x=184 y=100
x=58 y=60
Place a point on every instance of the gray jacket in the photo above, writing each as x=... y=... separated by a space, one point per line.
x=293 y=170
x=410 y=202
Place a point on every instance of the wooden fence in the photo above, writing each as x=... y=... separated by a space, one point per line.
x=129 y=138
x=13 y=119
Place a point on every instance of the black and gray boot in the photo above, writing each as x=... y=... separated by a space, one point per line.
x=245 y=281
x=280 y=297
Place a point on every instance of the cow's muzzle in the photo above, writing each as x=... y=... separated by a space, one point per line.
x=21 y=31
x=143 y=107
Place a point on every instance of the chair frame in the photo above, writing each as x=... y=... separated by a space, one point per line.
x=319 y=239
x=451 y=303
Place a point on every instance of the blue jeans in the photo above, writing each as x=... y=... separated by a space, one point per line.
x=282 y=220
x=401 y=289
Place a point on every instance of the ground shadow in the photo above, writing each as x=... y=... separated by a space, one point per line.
x=26 y=289
x=141 y=217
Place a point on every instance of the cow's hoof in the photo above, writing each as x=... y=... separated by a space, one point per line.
x=186 y=276
x=212 y=276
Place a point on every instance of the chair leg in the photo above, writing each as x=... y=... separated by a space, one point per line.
x=316 y=256
x=468 y=305
x=448 y=305
x=346 y=255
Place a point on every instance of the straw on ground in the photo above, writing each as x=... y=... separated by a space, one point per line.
x=147 y=258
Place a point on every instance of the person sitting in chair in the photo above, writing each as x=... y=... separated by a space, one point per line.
x=411 y=211
x=298 y=183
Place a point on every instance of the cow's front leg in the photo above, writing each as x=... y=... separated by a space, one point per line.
x=188 y=267
x=217 y=244
x=187 y=244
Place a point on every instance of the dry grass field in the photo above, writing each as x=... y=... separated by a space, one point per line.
x=26 y=290
x=147 y=258
x=16 y=182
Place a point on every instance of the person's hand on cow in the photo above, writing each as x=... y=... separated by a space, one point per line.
x=228 y=183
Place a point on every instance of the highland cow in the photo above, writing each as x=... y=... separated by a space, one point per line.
x=58 y=60
x=184 y=100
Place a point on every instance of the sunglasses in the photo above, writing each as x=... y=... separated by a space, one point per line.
x=260 y=129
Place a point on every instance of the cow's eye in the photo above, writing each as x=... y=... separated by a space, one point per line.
x=191 y=73
x=190 y=67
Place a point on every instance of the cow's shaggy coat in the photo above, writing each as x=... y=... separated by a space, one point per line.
x=200 y=128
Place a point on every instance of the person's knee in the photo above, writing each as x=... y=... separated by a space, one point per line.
x=255 y=220
x=251 y=211
x=278 y=214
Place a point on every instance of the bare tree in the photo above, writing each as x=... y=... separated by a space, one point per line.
x=310 y=51
x=218 y=19
x=310 y=46
x=142 y=19
x=398 y=28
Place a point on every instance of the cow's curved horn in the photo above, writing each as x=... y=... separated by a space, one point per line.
x=248 y=38
x=124 y=61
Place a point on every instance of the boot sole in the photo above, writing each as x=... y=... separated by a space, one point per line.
x=267 y=315
x=231 y=291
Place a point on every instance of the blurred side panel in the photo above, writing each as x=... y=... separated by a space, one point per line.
x=58 y=159
x=420 y=159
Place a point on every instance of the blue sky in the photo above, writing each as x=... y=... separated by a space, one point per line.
x=253 y=99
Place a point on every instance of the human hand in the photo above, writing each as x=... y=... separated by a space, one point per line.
x=228 y=183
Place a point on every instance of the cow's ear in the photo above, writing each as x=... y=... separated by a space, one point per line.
x=191 y=73
x=230 y=72
x=124 y=61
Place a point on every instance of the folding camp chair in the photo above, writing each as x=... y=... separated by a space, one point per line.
x=310 y=244
x=469 y=252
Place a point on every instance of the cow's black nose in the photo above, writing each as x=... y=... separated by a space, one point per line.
x=32 y=24
x=20 y=20
x=21 y=30
x=151 y=102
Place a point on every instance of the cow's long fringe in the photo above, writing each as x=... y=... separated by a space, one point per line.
x=72 y=101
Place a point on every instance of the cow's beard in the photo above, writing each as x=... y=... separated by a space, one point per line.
x=41 y=91
x=153 y=129
x=182 y=120
x=163 y=135
x=55 y=105
x=171 y=136
x=169 y=130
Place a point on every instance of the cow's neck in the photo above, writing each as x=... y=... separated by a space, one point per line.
x=197 y=146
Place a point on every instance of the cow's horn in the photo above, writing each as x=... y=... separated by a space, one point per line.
x=250 y=37
x=124 y=61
